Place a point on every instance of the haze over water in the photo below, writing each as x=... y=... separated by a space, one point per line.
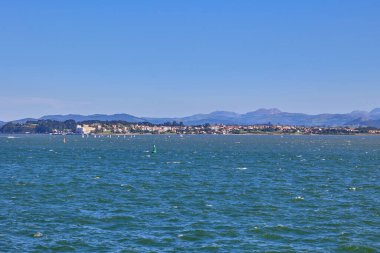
x=196 y=194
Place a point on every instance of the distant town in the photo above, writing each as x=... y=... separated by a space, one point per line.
x=127 y=128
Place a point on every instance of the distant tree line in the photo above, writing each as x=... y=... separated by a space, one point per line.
x=39 y=127
x=49 y=126
x=173 y=123
x=115 y=122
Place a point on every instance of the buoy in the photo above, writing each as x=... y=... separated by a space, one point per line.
x=38 y=235
x=154 y=150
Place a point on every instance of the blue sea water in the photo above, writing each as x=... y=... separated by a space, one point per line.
x=196 y=194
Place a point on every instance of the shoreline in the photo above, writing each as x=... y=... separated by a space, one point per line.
x=174 y=134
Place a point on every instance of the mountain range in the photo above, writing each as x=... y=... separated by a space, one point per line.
x=260 y=116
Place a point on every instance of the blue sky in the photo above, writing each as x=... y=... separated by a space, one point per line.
x=176 y=58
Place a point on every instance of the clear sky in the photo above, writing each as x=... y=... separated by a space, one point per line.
x=176 y=58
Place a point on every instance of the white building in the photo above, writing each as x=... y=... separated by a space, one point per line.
x=84 y=129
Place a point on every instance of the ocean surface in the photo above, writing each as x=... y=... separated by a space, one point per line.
x=196 y=194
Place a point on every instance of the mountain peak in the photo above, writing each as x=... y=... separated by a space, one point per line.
x=375 y=111
x=359 y=113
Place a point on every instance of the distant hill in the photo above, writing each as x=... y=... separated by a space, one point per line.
x=2 y=123
x=365 y=123
x=260 y=116
x=218 y=117
x=375 y=113
x=22 y=121
x=100 y=117
x=265 y=116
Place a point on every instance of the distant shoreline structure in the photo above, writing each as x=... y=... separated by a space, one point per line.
x=71 y=127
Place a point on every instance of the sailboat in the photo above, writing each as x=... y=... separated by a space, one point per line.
x=154 y=150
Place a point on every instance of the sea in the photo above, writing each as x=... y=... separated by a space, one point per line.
x=196 y=193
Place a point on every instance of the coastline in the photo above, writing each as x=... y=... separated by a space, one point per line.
x=173 y=134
